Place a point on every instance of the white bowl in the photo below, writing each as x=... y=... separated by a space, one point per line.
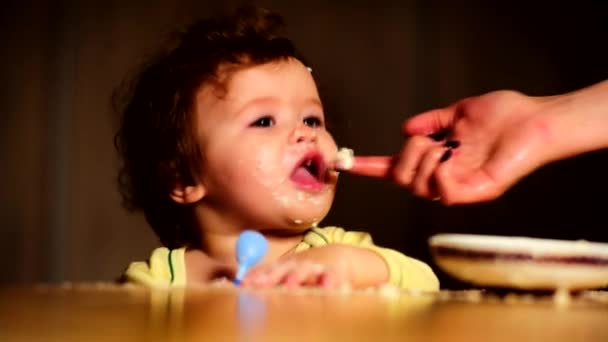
x=522 y=262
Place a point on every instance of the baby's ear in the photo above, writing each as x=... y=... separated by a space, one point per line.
x=188 y=194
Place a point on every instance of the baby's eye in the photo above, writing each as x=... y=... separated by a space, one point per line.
x=265 y=121
x=313 y=121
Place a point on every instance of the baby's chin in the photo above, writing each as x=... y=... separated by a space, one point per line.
x=305 y=216
x=290 y=228
x=299 y=225
x=304 y=222
x=290 y=221
x=300 y=213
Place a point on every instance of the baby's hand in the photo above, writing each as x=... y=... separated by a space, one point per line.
x=293 y=273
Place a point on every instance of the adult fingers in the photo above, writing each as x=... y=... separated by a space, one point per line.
x=407 y=164
x=423 y=182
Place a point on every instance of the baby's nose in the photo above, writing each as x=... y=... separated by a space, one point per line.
x=303 y=134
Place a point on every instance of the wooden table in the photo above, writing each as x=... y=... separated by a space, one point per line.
x=103 y=312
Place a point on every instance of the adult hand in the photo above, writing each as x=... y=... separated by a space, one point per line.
x=490 y=142
x=476 y=148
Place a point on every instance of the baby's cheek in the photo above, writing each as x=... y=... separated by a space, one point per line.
x=267 y=169
x=328 y=143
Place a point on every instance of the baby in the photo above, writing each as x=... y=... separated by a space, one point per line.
x=226 y=132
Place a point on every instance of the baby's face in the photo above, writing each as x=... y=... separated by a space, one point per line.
x=265 y=148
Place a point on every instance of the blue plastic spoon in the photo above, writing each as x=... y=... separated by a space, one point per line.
x=251 y=247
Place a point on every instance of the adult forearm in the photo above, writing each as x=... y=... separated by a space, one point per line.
x=578 y=121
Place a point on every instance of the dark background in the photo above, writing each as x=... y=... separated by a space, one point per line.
x=377 y=63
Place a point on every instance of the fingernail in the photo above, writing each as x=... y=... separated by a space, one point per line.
x=446 y=155
x=439 y=136
x=452 y=144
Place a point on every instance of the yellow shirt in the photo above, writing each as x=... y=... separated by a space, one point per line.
x=167 y=267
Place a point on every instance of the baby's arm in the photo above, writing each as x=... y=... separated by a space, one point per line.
x=359 y=267
x=403 y=271
x=329 y=266
x=345 y=257
x=406 y=272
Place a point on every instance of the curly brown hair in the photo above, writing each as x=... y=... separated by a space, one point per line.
x=156 y=140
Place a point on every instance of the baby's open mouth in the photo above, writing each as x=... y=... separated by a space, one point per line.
x=309 y=173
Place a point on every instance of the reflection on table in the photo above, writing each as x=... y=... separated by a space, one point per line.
x=104 y=312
